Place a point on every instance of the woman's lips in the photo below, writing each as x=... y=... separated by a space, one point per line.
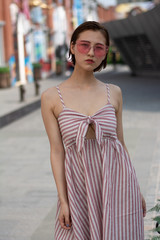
x=89 y=61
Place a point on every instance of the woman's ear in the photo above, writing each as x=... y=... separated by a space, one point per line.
x=72 y=48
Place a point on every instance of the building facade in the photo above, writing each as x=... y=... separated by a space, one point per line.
x=32 y=30
x=5 y=33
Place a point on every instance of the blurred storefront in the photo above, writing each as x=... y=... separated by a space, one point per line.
x=36 y=32
x=77 y=13
x=90 y=11
x=60 y=36
x=23 y=37
x=38 y=39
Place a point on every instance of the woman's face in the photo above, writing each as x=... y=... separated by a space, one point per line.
x=90 y=50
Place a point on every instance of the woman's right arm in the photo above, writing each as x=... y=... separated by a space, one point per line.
x=57 y=156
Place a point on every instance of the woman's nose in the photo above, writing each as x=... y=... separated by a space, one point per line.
x=91 y=51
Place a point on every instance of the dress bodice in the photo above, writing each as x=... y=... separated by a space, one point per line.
x=74 y=125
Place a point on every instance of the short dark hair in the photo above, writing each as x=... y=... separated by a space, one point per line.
x=94 y=26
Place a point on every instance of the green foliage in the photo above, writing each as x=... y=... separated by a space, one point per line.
x=118 y=58
x=157 y=229
x=156 y=238
x=156 y=209
x=36 y=65
x=4 y=69
x=58 y=62
x=157 y=219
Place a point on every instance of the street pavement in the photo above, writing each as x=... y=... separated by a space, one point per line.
x=28 y=193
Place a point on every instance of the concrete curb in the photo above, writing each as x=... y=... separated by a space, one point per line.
x=21 y=112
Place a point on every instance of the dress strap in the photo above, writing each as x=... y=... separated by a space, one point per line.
x=108 y=92
x=60 y=95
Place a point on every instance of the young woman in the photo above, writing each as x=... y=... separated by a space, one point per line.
x=98 y=194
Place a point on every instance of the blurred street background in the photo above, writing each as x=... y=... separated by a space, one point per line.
x=34 y=43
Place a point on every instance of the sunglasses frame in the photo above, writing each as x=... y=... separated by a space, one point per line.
x=89 y=48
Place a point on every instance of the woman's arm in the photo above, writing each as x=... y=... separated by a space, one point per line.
x=57 y=155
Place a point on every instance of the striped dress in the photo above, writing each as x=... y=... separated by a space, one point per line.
x=103 y=192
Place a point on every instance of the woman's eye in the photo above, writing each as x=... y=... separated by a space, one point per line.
x=99 y=48
x=84 y=45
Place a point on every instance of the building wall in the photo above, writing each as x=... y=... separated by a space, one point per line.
x=1 y=35
x=106 y=15
x=1 y=10
x=7 y=29
x=49 y=12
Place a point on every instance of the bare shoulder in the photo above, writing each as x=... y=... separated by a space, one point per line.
x=49 y=93
x=116 y=96
x=115 y=89
x=116 y=92
x=49 y=96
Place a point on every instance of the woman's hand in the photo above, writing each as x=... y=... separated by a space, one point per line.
x=64 y=216
x=143 y=205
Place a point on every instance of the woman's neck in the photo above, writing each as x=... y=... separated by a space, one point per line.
x=82 y=77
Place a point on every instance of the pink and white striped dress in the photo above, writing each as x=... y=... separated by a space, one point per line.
x=104 y=195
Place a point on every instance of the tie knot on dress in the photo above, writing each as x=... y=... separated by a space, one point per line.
x=90 y=120
x=82 y=130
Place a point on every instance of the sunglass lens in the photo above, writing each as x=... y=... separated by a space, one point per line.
x=83 y=47
x=100 y=51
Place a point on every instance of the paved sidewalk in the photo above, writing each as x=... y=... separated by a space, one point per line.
x=12 y=109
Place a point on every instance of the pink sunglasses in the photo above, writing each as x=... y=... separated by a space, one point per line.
x=84 y=47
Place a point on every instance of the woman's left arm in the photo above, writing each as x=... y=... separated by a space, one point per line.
x=120 y=132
